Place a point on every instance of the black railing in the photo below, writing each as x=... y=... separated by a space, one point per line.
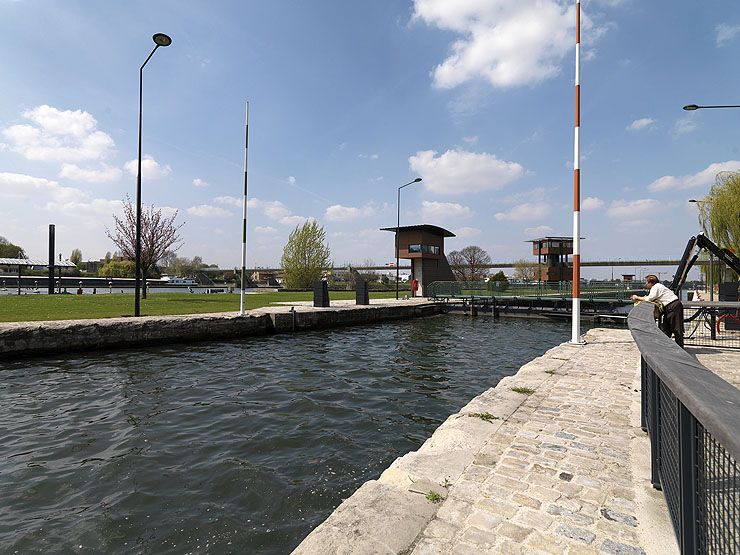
x=712 y=324
x=692 y=417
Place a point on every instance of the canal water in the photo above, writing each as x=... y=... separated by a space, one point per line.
x=231 y=447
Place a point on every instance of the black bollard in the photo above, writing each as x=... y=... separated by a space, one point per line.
x=321 y=294
x=362 y=293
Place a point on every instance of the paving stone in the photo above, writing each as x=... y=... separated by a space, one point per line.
x=578 y=534
x=478 y=537
x=616 y=516
x=525 y=500
x=616 y=548
x=517 y=533
x=483 y=519
x=441 y=529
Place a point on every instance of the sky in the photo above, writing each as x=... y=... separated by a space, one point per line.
x=350 y=99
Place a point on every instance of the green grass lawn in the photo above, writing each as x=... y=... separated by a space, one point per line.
x=105 y=305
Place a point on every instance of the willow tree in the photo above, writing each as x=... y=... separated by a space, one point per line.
x=305 y=257
x=719 y=211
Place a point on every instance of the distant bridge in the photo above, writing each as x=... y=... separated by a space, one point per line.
x=584 y=263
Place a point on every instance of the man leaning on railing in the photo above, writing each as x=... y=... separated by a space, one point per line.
x=669 y=304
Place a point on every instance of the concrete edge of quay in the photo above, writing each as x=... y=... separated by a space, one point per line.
x=402 y=511
x=27 y=339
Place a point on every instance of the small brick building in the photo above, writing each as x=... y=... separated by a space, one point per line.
x=553 y=251
x=424 y=245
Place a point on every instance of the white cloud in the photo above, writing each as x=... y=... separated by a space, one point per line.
x=683 y=126
x=339 y=213
x=460 y=171
x=726 y=33
x=57 y=135
x=524 y=212
x=20 y=186
x=75 y=173
x=591 y=203
x=505 y=42
x=471 y=140
x=700 y=179
x=208 y=211
x=443 y=210
x=150 y=168
x=96 y=207
x=641 y=123
x=368 y=156
x=634 y=209
x=466 y=232
x=273 y=209
x=264 y=229
x=294 y=220
x=232 y=201
x=198 y=182
x=291 y=180
x=535 y=195
x=540 y=230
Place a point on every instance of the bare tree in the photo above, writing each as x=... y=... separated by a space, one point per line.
x=159 y=234
x=524 y=270
x=469 y=263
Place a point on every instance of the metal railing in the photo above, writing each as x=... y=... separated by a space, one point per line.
x=692 y=417
x=616 y=290
x=712 y=324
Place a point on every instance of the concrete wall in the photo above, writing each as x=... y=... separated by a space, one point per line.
x=37 y=338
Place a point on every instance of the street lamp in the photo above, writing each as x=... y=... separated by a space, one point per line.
x=398 y=224
x=692 y=107
x=160 y=39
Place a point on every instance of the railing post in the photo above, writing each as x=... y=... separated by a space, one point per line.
x=654 y=430
x=687 y=469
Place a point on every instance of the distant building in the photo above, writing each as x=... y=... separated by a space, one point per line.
x=628 y=277
x=552 y=258
x=424 y=246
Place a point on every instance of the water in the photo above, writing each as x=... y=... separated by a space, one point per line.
x=231 y=447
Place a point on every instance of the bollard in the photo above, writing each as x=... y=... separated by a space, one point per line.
x=362 y=296
x=321 y=294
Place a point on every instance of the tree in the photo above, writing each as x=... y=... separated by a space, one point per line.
x=159 y=233
x=469 y=263
x=305 y=256
x=76 y=257
x=719 y=212
x=525 y=271
x=498 y=276
x=9 y=250
x=118 y=268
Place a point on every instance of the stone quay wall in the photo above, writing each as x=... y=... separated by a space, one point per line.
x=37 y=338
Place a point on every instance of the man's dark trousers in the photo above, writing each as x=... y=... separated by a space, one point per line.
x=673 y=321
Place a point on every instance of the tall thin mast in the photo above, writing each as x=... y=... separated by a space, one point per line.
x=576 y=312
x=244 y=215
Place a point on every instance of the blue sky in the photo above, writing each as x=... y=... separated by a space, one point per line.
x=349 y=100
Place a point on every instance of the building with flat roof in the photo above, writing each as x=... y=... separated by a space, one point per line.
x=424 y=246
x=553 y=251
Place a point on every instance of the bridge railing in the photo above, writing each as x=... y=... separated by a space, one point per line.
x=692 y=417
x=555 y=290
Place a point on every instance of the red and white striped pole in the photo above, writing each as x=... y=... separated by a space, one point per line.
x=576 y=311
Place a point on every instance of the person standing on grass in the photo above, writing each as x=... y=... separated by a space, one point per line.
x=672 y=307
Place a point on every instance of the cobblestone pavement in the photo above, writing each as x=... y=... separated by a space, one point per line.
x=557 y=476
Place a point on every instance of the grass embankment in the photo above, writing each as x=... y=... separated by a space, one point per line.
x=74 y=307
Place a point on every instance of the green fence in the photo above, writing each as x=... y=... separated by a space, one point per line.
x=616 y=290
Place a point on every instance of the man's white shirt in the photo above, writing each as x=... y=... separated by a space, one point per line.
x=662 y=294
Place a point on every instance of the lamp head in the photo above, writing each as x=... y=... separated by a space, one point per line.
x=691 y=107
x=693 y=200
x=160 y=39
x=417 y=180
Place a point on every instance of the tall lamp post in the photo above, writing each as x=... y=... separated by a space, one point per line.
x=160 y=39
x=398 y=224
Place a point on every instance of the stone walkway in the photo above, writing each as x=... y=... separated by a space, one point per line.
x=552 y=460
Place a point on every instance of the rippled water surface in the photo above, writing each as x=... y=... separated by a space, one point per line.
x=239 y=447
